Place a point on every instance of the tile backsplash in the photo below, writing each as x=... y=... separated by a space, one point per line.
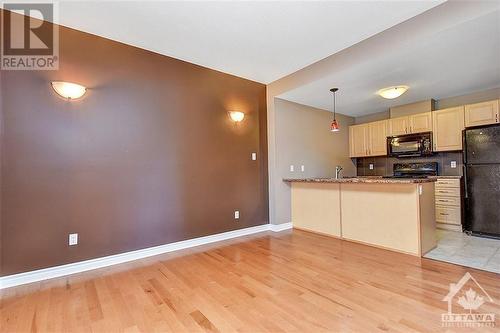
x=382 y=166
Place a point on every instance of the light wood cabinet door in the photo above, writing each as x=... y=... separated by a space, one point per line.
x=377 y=138
x=484 y=113
x=398 y=126
x=421 y=122
x=358 y=140
x=448 y=125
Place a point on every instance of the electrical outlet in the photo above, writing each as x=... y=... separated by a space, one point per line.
x=370 y=166
x=302 y=168
x=73 y=239
x=236 y=214
x=292 y=168
x=254 y=156
x=453 y=164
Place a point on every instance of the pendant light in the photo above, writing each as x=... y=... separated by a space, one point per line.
x=334 y=127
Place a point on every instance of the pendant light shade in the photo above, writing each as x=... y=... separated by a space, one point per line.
x=334 y=126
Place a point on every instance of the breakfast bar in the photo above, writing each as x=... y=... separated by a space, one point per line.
x=394 y=214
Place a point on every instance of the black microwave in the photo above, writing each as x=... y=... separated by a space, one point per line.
x=410 y=145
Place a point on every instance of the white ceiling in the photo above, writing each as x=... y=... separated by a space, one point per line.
x=258 y=40
x=460 y=59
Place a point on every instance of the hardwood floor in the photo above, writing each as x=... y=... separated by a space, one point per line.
x=292 y=281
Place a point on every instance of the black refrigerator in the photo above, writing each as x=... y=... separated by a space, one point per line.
x=482 y=180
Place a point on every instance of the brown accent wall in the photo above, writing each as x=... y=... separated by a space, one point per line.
x=149 y=156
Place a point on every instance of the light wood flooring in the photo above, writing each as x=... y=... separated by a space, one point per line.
x=291 y=281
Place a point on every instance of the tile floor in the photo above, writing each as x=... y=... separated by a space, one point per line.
x=471 y=251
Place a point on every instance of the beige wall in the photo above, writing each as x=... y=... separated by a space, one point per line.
x=412 y=108
x=476 y=97
x=372 y=117
x=303 y=138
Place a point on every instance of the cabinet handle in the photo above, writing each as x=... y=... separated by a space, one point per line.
x=410 y=129
x=496 y=118
x=443 y=214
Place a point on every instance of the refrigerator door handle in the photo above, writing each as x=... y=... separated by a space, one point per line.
x=466 y=193
x=464 y=146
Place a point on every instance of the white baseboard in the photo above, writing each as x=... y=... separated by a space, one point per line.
x=82 y=266
x=280 y=227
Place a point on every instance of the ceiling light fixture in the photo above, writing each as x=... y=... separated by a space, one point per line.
x=68 y=90
x=334 y=126
x=392 y=92
x=236 y=116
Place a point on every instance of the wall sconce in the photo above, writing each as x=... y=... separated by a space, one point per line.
x=68 y=90
x=236 y=116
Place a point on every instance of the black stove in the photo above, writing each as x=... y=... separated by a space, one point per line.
x=407 y=176
x=414 y=170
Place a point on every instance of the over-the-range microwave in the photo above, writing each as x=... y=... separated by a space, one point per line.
x=410 y=145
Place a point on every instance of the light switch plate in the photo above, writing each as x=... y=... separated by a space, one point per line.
x=236 y=214
x=370 y=166
x=453 y=164
x=254 y=156
x=73 y=239
x=292 y=168
x=302 y=168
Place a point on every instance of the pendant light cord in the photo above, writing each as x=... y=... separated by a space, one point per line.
x=334 y=106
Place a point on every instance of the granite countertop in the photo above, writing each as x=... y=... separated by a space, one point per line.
x=372 y=180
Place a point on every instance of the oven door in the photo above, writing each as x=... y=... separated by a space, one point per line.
x=408 y=145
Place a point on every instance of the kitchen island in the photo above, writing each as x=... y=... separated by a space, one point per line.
x=394 y=214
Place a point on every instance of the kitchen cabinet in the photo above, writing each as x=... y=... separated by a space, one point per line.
x=368 y=139
x=447 y=127
x=448 y=204
x=358 y=140
x=420 y=122
x=415 y=123
x=398 y=126
x=484 y=113
x=377 y=138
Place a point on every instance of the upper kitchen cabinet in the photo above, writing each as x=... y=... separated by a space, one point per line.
x=448 y=125
x=398 y=126
x=415 y=123
x=368 y=139
x=484 y=113
x=358 y=140
x=420 y=122
x=377 y=138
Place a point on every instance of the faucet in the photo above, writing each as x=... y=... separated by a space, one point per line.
x=338 y=169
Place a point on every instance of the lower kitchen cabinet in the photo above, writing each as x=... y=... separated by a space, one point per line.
x=448 y=204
